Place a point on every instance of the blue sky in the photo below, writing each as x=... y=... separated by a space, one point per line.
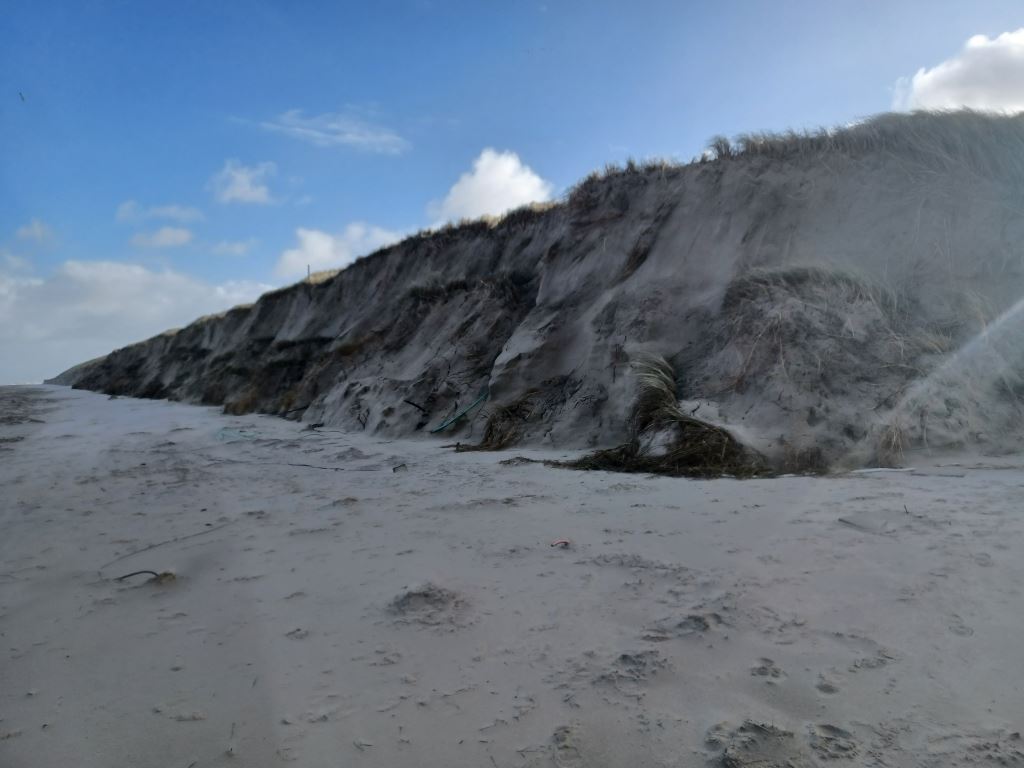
x=190 y=142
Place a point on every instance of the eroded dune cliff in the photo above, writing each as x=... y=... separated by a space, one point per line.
x=841 y=296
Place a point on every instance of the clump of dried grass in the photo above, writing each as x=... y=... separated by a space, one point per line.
x=320 y=276
x=589 y=191
x=891 y=445
x=696 y=448
x=843 y=285
x=505 y=424
x=983 y=142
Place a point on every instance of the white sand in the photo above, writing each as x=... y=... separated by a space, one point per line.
x=872 y=618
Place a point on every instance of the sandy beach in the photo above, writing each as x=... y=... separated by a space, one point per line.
x=343 y=600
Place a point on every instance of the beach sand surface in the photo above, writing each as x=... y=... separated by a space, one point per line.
x=336 y=599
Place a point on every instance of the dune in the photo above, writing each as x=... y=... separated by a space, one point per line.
x=811 y=294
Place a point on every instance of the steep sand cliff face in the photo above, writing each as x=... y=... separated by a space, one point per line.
x=812 y=294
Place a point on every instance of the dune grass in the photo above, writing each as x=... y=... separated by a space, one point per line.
x=695 y=448
x=505 y=424
x=987 y=142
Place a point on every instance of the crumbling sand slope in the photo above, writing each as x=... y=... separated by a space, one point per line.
x=804 y=289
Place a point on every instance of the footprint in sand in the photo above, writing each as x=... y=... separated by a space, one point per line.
x=767 y=669
x=871 y=654
x=959 y=627
x=633 y=666
x=429 y=605
x=832 y=742
x=564 y=751
x=826 y=686
x=756 y=744
x=995 y=747
x=692 y=624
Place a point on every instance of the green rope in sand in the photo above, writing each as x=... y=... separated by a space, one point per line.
x=484 y=392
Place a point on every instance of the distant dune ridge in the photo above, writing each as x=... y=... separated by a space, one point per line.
x=827 y=298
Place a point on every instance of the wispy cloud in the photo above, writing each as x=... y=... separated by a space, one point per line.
x=337 y=129
x=233 y=247
x=130 y=210
x=238 y=183
x=165 y=237
x=36 y=231
x=498 y=182
x=988 y=74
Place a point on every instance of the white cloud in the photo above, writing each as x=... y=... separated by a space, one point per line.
x=498 y=182
x=233 y=247
x=237 y=183
x=165 y=237
x=322 y=250
x=337 y=130
x=130 y=210
x=987 y=74
x=88 y=308
x=36 y=231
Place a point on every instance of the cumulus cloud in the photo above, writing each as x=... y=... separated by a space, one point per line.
x=322 y=250
x=498 y=182
x=130 y=210
x=88 y=308
x=337 y=130
x=233 y=247
x=237 y=183
x=36 y=231
x=165 y=237
x=987 y=74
